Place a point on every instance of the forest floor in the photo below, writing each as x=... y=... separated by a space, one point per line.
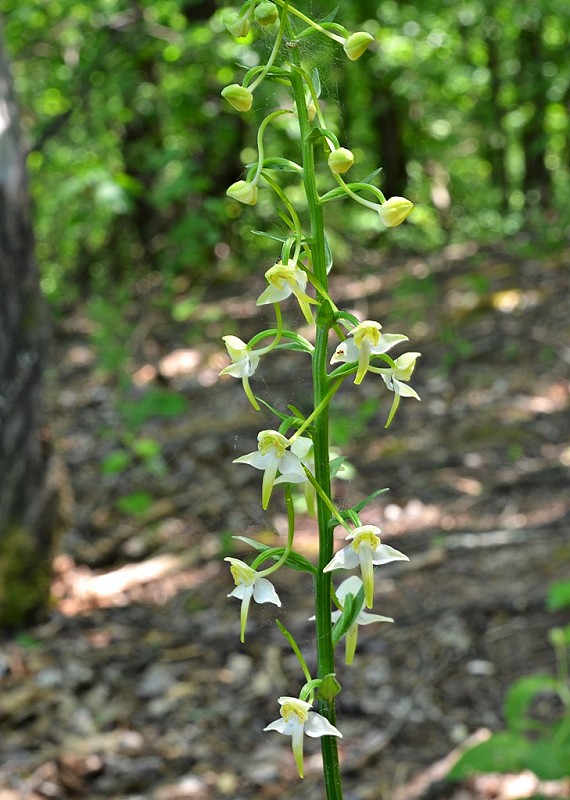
x=137 y=687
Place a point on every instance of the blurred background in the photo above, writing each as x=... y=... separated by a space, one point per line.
x=129 y=682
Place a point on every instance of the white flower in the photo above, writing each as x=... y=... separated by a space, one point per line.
x=297 y=719
x=272 y=456
x=366 y=340
x=248 y=585
x=285 y=280
x=244 y=362
x=394 y=378
x=365 y=549
x=352 y=586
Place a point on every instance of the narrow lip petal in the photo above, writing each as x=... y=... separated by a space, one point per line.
x=245 y=602
x=268 y=479
x=365 y=557
x=297 y=744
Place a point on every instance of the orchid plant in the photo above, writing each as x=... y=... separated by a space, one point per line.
x=340 y=346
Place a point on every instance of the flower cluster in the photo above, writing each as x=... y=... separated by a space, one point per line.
x=293 y=450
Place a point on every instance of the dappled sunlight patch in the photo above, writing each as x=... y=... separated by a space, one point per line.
x=180 y=363
x=78 y=589
x=552 y=398
x=511 y=300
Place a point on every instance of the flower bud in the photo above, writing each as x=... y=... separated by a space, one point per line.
x=340 y=160
x=236 y=25
x=244 y=192
x=356 y=44
x=394 y=211
x=266 y=13
x=311 y=109
x=238 y=96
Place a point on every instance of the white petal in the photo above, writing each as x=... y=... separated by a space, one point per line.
x=254 y=459
x=347 y=351
x=240 y=369
x=274 y=295
x=384 y=554
x=238 y=591
x=364 y=618
x=264 y=592
x=387 y=341
x=404 y=390
x=346 y=558
x=301 y=446
x=280 y=726
x=317 y=725
x=351 y=585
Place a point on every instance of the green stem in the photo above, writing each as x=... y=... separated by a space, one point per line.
x=297 y=228
x=260 y=134
x=315 y=413
x=323 y=605
x=273 y=55
x=312 y=23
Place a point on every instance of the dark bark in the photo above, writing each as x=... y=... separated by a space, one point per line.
x=537 y=177
x=27 y=495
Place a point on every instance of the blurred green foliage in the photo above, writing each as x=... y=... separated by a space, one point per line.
x=538 y=735
x=464 y=103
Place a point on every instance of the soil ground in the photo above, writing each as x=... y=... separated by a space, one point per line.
x=137 y=687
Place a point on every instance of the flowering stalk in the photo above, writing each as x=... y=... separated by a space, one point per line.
x=296 y=449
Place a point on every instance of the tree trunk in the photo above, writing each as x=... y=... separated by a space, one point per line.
x=28 y=498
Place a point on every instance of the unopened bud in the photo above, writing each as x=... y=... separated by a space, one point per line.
x=311 y=110
x=238 y=96
x=236 y=25
x=340 y=160
x=266 y=13
x=394 y=211
x=356 y=44
x=244 y=192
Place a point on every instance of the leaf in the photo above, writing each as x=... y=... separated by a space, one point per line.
x=269 y=236
x=136 y=503
x=115 y=462
x=335 y=465
x=521 y=694
x=282 y=165
x=328 y=256
x=330 y=16
x=352 y=608
x=558 y=596
x=549 y=759
x=329 y=688
x=326 y=314
x=273 y=410
x=316 y=80
x=370 y=178
x=503 y=752
x=357 y=508
x=294 y=560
